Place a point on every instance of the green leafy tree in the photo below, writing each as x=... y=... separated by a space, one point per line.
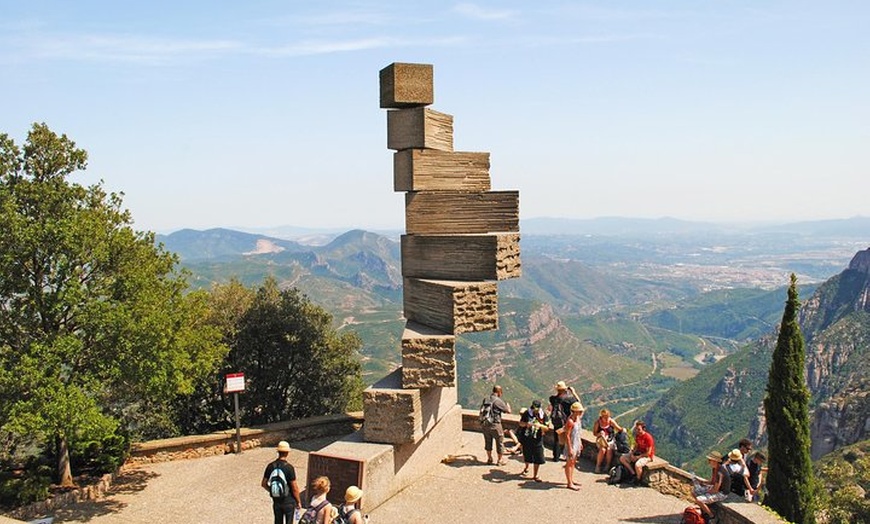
x=790 y=476
x=295 y=363
x=94 y=322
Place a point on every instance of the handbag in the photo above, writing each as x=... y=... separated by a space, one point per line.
x=560 y=435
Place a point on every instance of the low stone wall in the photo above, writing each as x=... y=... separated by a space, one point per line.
x=40 y=509
x=223 y=442
x=660 y=475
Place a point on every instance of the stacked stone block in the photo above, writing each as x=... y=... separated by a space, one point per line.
x=461 y=238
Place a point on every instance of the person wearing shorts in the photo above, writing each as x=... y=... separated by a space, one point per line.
x=643 y=452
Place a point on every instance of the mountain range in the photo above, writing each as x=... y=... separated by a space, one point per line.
x=665 y=319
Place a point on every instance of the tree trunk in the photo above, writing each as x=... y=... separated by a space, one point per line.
x=64 y=472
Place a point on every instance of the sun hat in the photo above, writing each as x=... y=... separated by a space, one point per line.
x=715 y=455
x=561 y=385
x=352 y=494
x=735 y=454
x=283 y=446
x=577 y=406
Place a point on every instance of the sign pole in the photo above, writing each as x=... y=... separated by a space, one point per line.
x=236 y=384
x=238 y=427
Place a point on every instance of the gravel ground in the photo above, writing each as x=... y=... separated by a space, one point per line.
x=226 y=489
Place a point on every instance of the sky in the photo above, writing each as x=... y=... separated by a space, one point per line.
x=259 y=114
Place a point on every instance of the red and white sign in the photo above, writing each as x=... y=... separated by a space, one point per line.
x=235 y=382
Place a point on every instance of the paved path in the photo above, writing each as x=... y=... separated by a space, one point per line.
x=226 y=489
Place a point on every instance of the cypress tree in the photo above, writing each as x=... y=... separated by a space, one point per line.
x=790 y=476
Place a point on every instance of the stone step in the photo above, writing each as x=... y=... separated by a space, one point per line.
x=452 y=306
x=419 y=128
x=494 y=256
x=456 y=212
x=428 y=357
x=406 y=85
x=433 y=170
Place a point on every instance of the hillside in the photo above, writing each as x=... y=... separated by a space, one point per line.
x=722 y=403
x=623 y=319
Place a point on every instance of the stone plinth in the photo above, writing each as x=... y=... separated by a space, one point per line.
x=433 y=170
x=452 y=306
x=406 y=85
x=394 y=415
x=456 y=212
x=388 y=469
x=419 y=128
x=428 y=357
x=462 y=257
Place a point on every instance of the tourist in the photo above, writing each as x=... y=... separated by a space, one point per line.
x=350 y=511
x=533 y=424
x=492 y=430
x=573 y=443
x=642 y=454
x=512 y=443
x=703 y=486
x=320 y=511
x=756 y=475
x=722 y=489
x=282 y=506
x=560 y=409
x=604 y=429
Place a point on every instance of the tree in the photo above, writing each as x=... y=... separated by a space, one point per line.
x=295 y=363
x=790 y=477
x=94 y=322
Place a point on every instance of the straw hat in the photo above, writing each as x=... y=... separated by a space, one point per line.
x=735 y=454
x=352 y=495
x=577 y=406
x=715 y=455
x=561 y=386
x=283 y=446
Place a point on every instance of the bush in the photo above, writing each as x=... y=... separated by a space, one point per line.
x=97 y=457
x=21 y=488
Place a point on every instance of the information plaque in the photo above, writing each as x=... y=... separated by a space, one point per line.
x=342 y=473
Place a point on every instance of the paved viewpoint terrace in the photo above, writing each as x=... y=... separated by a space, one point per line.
x=226 y=489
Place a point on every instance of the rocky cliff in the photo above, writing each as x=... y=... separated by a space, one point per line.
x=836 y=327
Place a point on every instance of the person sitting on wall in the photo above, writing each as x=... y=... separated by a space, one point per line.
x=642 y=454
x=728 y=471
x=702 y=486
x=604 y=429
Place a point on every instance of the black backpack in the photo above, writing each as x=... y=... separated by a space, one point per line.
x=621 y=440
x=618 y=474
x=486 y=417
x=342 y=517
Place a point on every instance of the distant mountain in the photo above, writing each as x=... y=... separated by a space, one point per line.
x=614 y=226
x=192 y=245
x=855 y=227
x=723 y=402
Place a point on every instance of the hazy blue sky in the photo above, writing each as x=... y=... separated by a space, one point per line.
x=265 y=113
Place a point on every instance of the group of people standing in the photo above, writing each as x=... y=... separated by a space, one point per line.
x=563 y=415
x=279 y=479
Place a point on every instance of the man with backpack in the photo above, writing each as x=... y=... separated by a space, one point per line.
x=491 y=410
x=560 y=410
x=279 y=479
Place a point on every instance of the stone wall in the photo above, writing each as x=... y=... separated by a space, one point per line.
x=223 y=442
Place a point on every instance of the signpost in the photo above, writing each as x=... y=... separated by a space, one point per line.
x=236 y=384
